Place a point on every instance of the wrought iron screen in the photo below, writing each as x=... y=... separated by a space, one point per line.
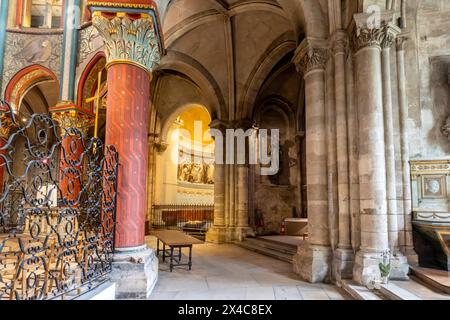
x=57 y=209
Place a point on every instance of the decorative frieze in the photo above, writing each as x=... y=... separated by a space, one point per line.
x=126 y=40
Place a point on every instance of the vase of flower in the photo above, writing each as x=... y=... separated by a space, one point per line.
x=385 y=266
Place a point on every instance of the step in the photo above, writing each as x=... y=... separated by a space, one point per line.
x=266 y=251
x=360 y=292
x=276 y=246
x=394 y=292
x=433 y=280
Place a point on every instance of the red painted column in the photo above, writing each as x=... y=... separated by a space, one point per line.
x=128 y=109
x=70 y=184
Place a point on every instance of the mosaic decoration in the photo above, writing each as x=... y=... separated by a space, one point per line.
x=25 y=49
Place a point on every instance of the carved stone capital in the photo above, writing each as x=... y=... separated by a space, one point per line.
x=401 y=41
x=311 y=55
x=381 y=33
x=340 y=42
x=134 y=41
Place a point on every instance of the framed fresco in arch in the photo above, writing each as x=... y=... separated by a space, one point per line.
x=434 y=186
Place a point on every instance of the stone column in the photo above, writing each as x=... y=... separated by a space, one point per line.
x=408 y=250
x=389 y=143
x=400 y=268
x=218 y=233
x=242 y=207
x=133 y=50
x=313 y=259
x=69 y=117
x=372 y=160
x=343 y=257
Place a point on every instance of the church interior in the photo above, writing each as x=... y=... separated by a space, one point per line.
x=137 y=142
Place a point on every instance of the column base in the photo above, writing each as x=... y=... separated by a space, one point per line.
x=217 y=235
x=343 y=261
x=312 y=263
x=239 y=233
x=367 y=267
x=135 y=273
x=400 y=267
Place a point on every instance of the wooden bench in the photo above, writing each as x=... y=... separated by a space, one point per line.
x=175 y=240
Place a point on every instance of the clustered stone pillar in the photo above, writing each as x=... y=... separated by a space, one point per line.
x=370 y=100
x=313 y=259
x=133 y=50
x=343 y=258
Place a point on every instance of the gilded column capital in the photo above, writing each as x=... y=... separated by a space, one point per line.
x=6 y=126
x=130 y=40
x=69 y=117
x=312 y=54
x=381 y=34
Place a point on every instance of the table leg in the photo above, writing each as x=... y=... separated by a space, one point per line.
x=164 y=252
x=190 y=257
x=171 y=259
x=157 y=248
x=179 y=255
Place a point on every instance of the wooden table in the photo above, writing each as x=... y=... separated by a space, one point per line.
x=175 y=240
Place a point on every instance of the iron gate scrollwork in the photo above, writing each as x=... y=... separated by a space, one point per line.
x=57 y=209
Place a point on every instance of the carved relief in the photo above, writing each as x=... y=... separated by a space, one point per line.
x=383 y=37
x=74 y=119
x=199 y=173
x=314 y=58
x=446 y=129
x=25 y=49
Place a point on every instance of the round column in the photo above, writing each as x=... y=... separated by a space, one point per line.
x=313 y=259
x=70 y=117
x=132 y=50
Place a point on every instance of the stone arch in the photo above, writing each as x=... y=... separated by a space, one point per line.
x=192 y=69
x=273 y=55
x=26 y=79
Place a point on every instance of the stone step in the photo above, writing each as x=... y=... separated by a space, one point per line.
x=265 y=251
x=394 y=292
x=360 y=292
x=434 y=279
x=273 y=245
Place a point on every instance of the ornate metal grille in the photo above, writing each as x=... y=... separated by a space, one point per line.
x=57 y=209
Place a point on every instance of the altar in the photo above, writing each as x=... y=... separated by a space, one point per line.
x=431 y=216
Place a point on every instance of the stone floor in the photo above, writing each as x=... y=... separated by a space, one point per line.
x=227 y=272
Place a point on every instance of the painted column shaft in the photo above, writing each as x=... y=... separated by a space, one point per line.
x=3 y=22
x=127 y=129
x=70 y=184
x=70 y=48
